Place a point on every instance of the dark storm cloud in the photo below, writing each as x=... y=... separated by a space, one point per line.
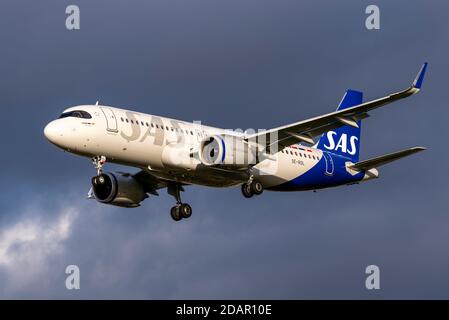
x=231 y=64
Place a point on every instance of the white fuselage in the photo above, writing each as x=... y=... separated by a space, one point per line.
x=141 y=140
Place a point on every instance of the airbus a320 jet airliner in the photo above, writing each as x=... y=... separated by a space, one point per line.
x=172 y=154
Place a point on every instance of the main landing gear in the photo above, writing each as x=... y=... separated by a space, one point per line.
x=252 y=187
x=180 y=210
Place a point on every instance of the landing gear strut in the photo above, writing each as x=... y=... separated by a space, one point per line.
x=99 y=162
x=252 y=187
x=180 y=210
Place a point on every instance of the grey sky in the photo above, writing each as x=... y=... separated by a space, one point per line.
x=232 y=64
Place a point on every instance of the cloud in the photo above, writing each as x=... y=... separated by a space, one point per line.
x=27 y=247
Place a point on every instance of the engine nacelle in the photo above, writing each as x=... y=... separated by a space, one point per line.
x=118 y=189
x=226 y=150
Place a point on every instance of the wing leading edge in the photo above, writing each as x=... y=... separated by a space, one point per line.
x=304 y=131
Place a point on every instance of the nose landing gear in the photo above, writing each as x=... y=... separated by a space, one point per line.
x=180 y=210
x=99 y=162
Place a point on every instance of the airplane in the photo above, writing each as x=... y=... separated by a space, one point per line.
x=173 y=154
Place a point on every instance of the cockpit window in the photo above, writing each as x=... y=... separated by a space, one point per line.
x=76 y=114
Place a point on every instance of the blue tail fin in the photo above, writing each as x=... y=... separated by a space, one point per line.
x=345 y=140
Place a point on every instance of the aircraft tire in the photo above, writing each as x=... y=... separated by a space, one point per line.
x=246 y=190
x=175 y=213
x=256 y=187
x=185 y=211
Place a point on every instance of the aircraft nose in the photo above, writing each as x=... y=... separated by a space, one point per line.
x=58 y=134
x=51 y=131
x=54 y=132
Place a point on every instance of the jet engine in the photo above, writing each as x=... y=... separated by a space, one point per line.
x=119 y=189
x=231 y=151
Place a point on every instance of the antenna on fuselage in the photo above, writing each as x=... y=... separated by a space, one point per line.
x=96 y=103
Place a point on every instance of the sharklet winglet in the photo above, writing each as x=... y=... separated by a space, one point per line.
x=417 y=83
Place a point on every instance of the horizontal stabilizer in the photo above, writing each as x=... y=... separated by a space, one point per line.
x=379 y=161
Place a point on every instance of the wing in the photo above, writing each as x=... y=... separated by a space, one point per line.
x=304 y=131
x=150 y=183
x=380 y=161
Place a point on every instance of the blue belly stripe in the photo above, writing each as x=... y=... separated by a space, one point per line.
x=316 y=178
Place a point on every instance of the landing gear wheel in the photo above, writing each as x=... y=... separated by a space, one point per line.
x=256 y=187
x=180 y=210
x=185 y=210
x=175 y=213
x=246 y=190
